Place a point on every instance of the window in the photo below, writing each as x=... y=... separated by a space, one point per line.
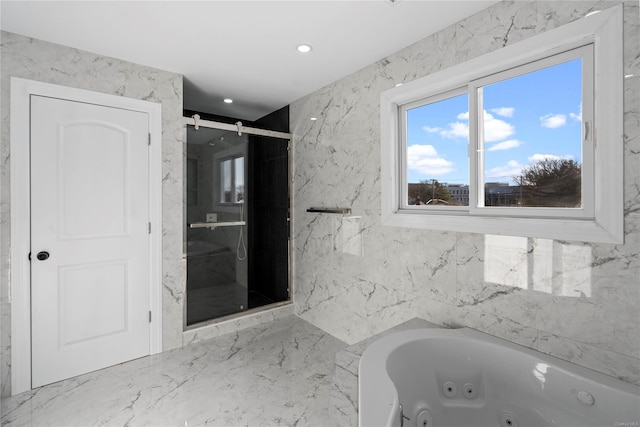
x=526 y=142
x=516 y=135
x=538 y=148
x=232 y=180
x=435 y=150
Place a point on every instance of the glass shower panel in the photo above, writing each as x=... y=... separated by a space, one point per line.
x=217 y=279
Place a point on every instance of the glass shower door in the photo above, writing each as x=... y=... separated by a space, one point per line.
x=216 y=213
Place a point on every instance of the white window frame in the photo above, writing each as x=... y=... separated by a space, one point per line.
x=403 y=146
x=604 y=223
x=219 y=157
x=234 y=195
x=476 y=144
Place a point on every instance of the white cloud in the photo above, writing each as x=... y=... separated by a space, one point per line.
x=456 y=130
x=504 y=111
x=553 y=121
x=578 y=116
x=505 y=145
x=494 y=129
x=511 y=169
x=431 y=129
x=538 y=157
x=426 y=160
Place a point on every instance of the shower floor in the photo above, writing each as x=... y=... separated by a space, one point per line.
x=221 y=300
x=215 y=301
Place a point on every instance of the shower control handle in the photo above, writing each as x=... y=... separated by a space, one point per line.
x=42 y=256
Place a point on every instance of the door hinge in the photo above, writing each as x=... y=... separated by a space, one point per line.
x=149 y=316
x=149 y=228
x=149 y=139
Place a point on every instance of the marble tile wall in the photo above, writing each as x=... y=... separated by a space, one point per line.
x=36 y=60
x=573 y=300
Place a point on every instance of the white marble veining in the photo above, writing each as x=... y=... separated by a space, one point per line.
x=278 y=373
x=573 y=300
x=37 y=60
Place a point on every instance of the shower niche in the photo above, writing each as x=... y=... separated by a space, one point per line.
x=237 y=222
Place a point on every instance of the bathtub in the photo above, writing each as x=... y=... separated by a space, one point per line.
x=462 y=377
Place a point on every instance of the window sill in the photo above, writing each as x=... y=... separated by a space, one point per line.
x=558 y=229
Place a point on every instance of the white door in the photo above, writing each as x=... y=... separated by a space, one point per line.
x=89 y=237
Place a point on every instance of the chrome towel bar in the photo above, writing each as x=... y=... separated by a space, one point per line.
x=213 y=225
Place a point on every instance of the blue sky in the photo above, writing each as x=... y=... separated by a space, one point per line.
x=527 y=118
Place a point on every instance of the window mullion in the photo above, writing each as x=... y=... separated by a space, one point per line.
x=588 y=179
x=476 y=148
x=402 y=156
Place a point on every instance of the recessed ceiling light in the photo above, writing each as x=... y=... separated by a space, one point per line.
x=593 y=12
x=304 y=48
x=398 y=84
x=313 y=119
x=228 y=100
x=628 y=76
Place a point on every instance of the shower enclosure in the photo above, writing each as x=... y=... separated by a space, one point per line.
x=237 y=214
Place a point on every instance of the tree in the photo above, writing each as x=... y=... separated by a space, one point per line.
x=551 y=183
x=429 y=192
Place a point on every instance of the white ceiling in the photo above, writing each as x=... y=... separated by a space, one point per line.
x=244 y=50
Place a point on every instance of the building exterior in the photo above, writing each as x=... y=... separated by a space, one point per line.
x=459 y=192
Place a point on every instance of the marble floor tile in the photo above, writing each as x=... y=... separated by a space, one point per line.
x=276 y=374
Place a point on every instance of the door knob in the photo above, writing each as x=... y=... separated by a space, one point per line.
x=42 y=256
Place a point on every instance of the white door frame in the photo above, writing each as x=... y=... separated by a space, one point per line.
x=20 y=277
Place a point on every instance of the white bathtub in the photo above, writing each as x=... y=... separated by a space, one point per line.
x=462 y=377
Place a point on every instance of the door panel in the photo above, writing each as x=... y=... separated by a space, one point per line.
x=90 y=212
x=268 y=216
x=76 y=287
x=103 y=171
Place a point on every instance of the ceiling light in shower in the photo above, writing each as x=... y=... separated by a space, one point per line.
x=304 y=48
x=228 y=100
